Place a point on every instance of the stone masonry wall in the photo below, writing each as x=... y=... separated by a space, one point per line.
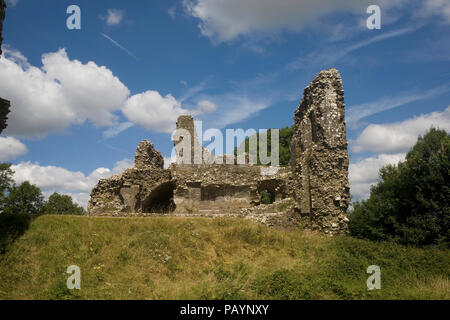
x=319 y=155
x=4 y=110
x=4 y=104
x=315 y=189
x=2 y=17
x=224 y=188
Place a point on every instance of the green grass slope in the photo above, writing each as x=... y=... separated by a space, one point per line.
x=177 y=258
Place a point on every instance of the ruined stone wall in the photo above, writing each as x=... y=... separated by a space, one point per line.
x=136 y=191
x=314 y=189
x=4 y=104
x=319 y=155
x=187 y=146
x=222 y=187
x=146 y=188
x=4 y=110
x=147 y=156
x=2 y=17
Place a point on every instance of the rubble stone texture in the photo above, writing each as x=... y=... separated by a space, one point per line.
x=4 y=104
x=2 y=17
x=147 y=156
x=319 y=155
x=4 y=110
x=187 y=133
x=314 y=188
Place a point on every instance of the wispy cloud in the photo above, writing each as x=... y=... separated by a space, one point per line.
x=116 y=130
x=12 y=3
x=358 y=112
x=190 y=92
x=113 y=17
x=172 y=12
x=334 y=54
x=119 y=45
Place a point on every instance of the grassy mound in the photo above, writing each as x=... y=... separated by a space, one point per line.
x=182 y=258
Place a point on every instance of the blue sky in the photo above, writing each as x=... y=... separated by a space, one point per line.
x=83 y=99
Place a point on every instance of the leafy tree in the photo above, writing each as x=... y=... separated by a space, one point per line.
x=24 y=199
x=6 y=182
x=61 y=204
x=284 y=145
x=411 y=203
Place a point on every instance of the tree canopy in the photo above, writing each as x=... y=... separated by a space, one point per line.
x=284 y=145
x=411 y=203
x=24 y=199
x=61 y=204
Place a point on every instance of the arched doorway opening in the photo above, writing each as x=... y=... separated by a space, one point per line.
x=160 y=200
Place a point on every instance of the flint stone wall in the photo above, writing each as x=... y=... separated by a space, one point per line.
x=2 y=17
x=224 y=188
x=147 y=156
x=319 y=155
x=4 y=110
x=4 y=104
x=314 y=189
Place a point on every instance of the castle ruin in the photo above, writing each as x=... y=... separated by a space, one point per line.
x=314 y=191
x=4 y=104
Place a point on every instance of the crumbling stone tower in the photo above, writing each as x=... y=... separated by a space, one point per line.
x=4 y=104
x=319 y=155
x=186 y=142
x=2 y=17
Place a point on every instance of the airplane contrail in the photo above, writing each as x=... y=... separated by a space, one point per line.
x=119 y=45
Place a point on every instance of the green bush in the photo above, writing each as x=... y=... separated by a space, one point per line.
x=411 y=203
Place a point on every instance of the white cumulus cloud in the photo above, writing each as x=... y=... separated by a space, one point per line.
x=364 y=173
x=61 y=93
x=65 y=92
x=400 y=136
x=11 y=148
x=153 y=111
x=57 y=179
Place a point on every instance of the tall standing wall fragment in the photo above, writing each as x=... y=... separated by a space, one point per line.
x=319 y=155
x=2 y=17
x=4 y=104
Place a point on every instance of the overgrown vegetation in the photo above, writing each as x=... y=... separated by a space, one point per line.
x=182 y=258
x=411 y=203
x=267 y=197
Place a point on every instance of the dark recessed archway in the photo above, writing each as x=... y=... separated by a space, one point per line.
x=270 y=190
x=160 y=200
